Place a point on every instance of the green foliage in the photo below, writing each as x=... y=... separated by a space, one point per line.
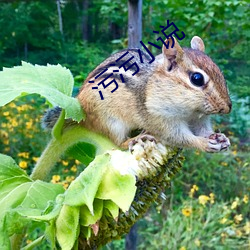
x=52 y=82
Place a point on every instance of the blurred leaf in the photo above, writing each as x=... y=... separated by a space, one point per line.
x=53 y=82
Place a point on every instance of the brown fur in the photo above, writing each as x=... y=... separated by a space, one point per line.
x=160 y=99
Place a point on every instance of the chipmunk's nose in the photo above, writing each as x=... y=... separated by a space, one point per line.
x=227 y=108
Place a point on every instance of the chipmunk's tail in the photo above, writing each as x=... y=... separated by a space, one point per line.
x=50 y=118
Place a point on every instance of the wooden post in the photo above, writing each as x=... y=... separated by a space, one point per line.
x=134 y=23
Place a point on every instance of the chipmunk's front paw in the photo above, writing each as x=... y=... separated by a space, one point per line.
x=218 y=142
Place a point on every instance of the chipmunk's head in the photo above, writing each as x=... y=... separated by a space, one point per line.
x=194 y=80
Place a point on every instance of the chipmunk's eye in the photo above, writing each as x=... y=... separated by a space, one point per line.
x=197 y=79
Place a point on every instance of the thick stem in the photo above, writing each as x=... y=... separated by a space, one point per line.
x=57 y=147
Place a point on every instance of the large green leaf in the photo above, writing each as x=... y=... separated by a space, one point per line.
x=83 y=189
x=118 y=188
x=83 y=152
x=67 y=226
x=53 y=82
x=21 y=197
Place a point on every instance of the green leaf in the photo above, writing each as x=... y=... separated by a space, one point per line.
x=9 y=168
x=39 y=194
x=6 y=186
x=83 y=152
x=112 y=208
x=118 y=188
x=67 y=226
x=83 y=189
x=53 y=82
x=86 y=218
x=58 y=127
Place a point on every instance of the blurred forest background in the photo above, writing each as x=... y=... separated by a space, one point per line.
x=207 y=206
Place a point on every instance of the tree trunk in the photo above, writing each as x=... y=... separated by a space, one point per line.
x=134 y=23
x=59 y=16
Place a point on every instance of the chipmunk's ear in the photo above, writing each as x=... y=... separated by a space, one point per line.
x=197 y=43
x=172 y=55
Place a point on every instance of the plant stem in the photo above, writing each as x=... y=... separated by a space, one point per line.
x=57 y=147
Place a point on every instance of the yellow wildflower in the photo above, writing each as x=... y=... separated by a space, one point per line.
x=197 y=242
x=77 y=162
x=4 y=134
x=182 y=248
x=203 y=199
x=55 y=178
x=35 y=159
x=193 y=190
x=245 y=199
x=187 y=211
x=6 y=113
x=65 y=185
x=224 y=164
x=247 y=227
x=238 y=218
x=73 y=168
x=223 y=220
x=234 y=152
x=24 y=154
x=12 y=105
x=70 y=178
x=29 y=124
x=14 y=123
x=235 y=203
x=211 y=195
x=23 y=164
x=65 y=163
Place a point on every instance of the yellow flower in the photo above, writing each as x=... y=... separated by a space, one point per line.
x=203 y=199
x=6 y=113
x=211 y=195
x=187 y=211
x=225 y=164
x=70 y=178
x=24 y=154
x=4 y=134
x=65 y=185
x=247 y=227
x=35 y=159
x=238 y=218
x=245 y=199
x=55 y=178
x=182 y=248
x=77 y=162
x=65 y=163
x=223 y=220
x=234 y=152
x=197 y=242
x=235 y=203
x=193 y=190
x=23 y=164
x=73 y=168
x=29 y=124
x=14 y=123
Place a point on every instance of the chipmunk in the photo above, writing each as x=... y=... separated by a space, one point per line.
x=170 y=99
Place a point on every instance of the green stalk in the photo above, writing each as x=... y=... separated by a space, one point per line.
x=57 y=146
